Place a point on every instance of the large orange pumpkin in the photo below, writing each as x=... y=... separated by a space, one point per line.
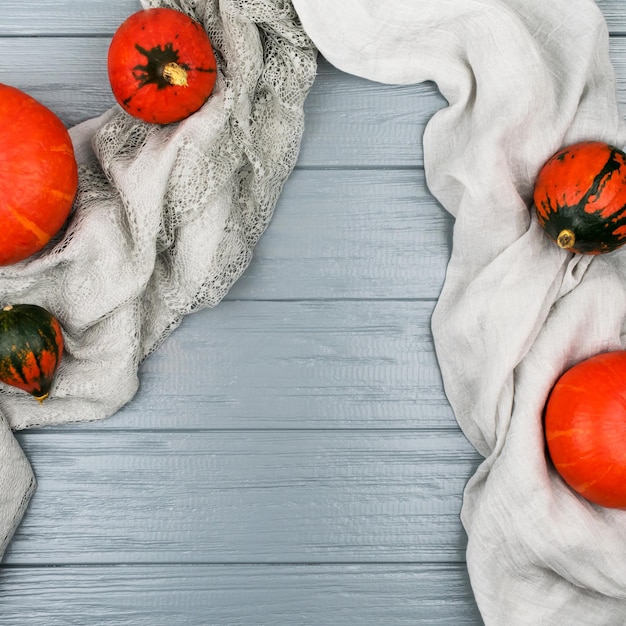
x=580 y=197
x=585 y=427
x=161 y=65
x=38 y=177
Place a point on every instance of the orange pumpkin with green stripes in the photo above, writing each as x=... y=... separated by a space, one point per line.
x=38 y=177
x=31 y=347
x=580 y=197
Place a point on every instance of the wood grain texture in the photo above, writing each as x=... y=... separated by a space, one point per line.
x=73 y=82
x=390 y=239
x=248 y=595
x=614 y=14
x=239 y=497
x=327 y=364
x=80 y=17
x=64 y=17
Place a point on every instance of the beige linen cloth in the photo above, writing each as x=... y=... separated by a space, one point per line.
x=522 y=78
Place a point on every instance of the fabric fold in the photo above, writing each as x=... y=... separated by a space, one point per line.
x=522 y=78
x=17 y=484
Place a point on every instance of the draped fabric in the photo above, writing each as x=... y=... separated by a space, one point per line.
x=522 y=78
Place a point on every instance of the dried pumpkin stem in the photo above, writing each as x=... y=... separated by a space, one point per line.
x=175 y=74
x=566 y=239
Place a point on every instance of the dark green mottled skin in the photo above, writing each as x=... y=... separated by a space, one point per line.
x=27 y=329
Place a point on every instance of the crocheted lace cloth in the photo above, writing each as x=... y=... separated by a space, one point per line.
x=165 y=221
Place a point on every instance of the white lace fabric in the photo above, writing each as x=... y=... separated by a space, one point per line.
x=165 y=221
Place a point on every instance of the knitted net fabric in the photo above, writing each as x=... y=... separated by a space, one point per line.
x=165 y=221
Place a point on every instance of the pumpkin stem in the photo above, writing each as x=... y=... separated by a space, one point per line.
x=566 y=239
x=175 y=74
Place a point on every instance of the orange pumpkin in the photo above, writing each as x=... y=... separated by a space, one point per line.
x=161 y=65
x=585 y=428
x=580 y=197
x=38 y=177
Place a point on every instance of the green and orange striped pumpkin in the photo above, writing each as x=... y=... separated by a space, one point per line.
x=580 y=197
x=31 y=347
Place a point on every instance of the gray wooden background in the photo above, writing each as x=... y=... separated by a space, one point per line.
x=291 y=457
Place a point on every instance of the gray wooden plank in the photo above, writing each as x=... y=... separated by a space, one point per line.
x=298 y=365
x=353 y=122
x=614 y=14
x=73 y=81
x=42 y=17
x=351 y=234
x=251 y=595
x=350 y=122
x=54 y=17
x=618 y=59
x=245 y=497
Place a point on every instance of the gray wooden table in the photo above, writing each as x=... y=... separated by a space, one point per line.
x=290 y=457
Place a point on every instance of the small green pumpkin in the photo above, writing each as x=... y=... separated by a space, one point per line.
x=31 y=346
